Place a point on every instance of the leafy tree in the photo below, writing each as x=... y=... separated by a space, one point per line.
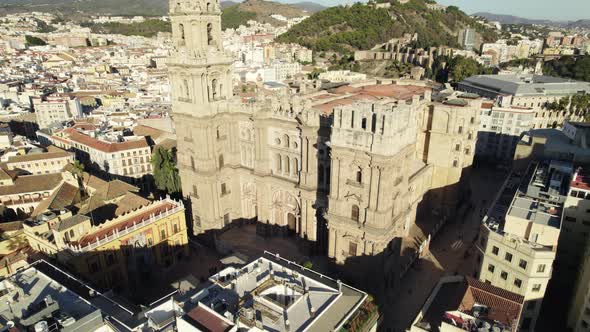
x=77 y=170
x=456 y=69
x=577 y=68
x=147 y=28
x=462 y=68
x=44 y=27
x=34 y=41
x=315 y=74
x=165 y=171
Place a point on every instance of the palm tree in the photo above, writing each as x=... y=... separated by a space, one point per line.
x=77 y=171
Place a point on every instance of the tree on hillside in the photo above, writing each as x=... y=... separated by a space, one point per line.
x=166 y=175
x=455 y=69
x=462 y=68
x=577 y=68
x=34 y=41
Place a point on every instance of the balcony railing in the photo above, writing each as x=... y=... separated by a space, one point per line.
x=116 y=233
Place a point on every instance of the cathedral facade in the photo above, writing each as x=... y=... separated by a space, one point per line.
x=353 y=162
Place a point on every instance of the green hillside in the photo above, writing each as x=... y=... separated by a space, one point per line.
x=232 y=17
x=363 y=26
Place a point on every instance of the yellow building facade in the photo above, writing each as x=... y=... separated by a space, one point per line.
x=110 y=254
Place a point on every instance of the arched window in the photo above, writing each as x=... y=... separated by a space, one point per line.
x=221 y=162
x=294 y=165
x=181 y=31
x=71 y=234
x=364 y=123
x=286 y=140
x=185 y=91
x=278 y=163
x=214 y=88
x=209 y=34
x=373 y=122
x=354 y=213
x=193 y=163
x=208 y=6
x=359 y=175
x=286 y=165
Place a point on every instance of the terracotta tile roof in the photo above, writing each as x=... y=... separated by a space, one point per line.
x=205 y=320
x=108 y=147
x=504 y=306
x=32 y=184
x=66 y=195
x=11 y=226
x=351 y=94
x=4 y=175
x=40 y=156
x=141 y=130
x=581 y=180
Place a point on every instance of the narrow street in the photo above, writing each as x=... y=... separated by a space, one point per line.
x=447 y=252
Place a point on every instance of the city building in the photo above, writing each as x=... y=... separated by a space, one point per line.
x=522 y=90
x=45 y=297
x=576 y=222
x=23 y=193
x=6 y=136
x=461 y=303
x=112 y=250
x=54 y=160
x=500 y=130
x=266 y=158
x=128 y=158
x=342 y=76
x=518 y=238
x=568 y=144
x=34 y=301
x=274 y=294
x=56 y=109
x=469 y=39
x=578 y=319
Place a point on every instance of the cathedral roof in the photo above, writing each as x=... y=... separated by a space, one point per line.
x=347 y=95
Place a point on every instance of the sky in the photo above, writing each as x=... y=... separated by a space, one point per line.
x=561 y=10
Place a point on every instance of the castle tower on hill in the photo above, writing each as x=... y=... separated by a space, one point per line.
x=345 y=168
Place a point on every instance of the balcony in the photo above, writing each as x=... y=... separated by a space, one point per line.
x=118 y=233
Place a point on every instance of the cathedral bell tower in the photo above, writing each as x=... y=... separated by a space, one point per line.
x=200 y=70
x=201 y=82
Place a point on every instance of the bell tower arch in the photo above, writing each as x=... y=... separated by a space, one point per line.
x=200 y=70
x=201 y=80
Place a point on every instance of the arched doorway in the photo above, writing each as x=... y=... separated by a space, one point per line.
x=286 y=211
x=291 y=223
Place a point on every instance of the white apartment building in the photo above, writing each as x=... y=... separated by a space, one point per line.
x=128 y=159
x=342 y=76
x=518 y=239
x=500 y=129
x=285 y=70
x=56 y=109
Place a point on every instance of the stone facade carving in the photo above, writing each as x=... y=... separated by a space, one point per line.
x=349 y=175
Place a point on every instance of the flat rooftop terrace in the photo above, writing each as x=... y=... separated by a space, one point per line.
x=277 y=295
